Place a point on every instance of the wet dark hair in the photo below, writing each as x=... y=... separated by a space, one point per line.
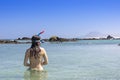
x=34 y=50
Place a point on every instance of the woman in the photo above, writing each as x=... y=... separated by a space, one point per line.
x=35 y=55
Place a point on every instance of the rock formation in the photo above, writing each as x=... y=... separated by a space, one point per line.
x=110 y=37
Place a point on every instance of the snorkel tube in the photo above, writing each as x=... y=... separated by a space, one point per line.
x=40 y=34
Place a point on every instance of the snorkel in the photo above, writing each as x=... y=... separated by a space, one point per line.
x=40 y=34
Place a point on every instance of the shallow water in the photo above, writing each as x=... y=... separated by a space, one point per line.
x=82 y=60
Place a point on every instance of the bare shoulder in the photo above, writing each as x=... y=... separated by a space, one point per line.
x=28 y=51
x=43 y=50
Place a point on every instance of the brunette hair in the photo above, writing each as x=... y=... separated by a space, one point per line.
x=35 y=49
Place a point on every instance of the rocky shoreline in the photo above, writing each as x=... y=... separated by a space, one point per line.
x=27 y=40
x=12 y=42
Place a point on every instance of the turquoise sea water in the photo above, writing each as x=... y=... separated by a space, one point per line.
x=81 y=60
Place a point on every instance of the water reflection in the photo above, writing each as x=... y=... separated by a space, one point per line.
x=35 y=75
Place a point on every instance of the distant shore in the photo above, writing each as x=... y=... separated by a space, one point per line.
x=27 y=40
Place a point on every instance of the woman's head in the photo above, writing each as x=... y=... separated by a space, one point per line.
x=35 y=41
x=35 y=38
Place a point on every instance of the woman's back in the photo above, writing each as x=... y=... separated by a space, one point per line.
x=36 y=63
x=36 y=55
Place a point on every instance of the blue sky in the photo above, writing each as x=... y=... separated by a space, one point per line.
x=64 y=18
